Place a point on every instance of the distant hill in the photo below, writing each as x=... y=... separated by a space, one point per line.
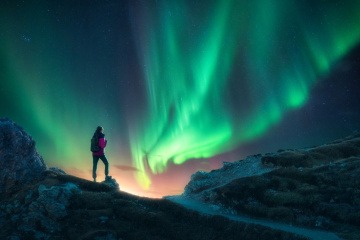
x=315 y=187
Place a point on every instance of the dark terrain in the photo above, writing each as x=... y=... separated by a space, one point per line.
x=99 y=212
x=37 y=202
x=317 y=188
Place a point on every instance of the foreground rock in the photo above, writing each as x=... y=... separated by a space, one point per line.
x=19 y=161
x=39 y=215
x=111 y=182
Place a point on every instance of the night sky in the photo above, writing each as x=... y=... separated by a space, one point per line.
x=179 y=86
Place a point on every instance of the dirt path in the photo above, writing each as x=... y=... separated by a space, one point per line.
x=215 y=210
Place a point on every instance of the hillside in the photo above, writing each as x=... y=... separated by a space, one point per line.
x=316 y=187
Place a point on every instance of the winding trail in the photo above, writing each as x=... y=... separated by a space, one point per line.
x=210 y=209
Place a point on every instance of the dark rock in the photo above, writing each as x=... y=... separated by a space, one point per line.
x=57 y=170
x=101 y=235
x=46 y=211
x=28 y=196
x=103 y=219
x=19 y=161
x=14 y=237
x=111 y=182
x=322 y=222
x=54 y=200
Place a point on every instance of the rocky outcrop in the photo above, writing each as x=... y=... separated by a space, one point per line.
x=202 y=182
x=20 y=163
x=111 y=182
x=39 y=215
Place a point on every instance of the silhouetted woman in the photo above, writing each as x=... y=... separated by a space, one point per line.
x=101 y=153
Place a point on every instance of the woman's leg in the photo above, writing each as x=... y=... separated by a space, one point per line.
x=106 y=163
x=95 y=162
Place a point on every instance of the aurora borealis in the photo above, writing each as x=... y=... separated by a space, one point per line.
x=179 y=86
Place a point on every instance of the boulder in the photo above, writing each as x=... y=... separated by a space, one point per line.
x=111 y=182
x=40 y=218
x=20 y=163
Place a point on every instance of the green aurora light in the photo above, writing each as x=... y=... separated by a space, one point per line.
x=169 y=80
x=277 y=49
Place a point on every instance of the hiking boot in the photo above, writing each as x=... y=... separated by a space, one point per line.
x=94 y=179
x=107 y=178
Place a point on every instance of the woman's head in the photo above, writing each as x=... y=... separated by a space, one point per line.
x=99 y=129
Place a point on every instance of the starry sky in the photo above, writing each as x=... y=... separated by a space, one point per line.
x=179 y=86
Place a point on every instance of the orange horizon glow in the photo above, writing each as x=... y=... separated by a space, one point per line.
x=127 y=184
x=171 y=182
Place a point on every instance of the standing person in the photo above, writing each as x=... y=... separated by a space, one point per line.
x=98 y=144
